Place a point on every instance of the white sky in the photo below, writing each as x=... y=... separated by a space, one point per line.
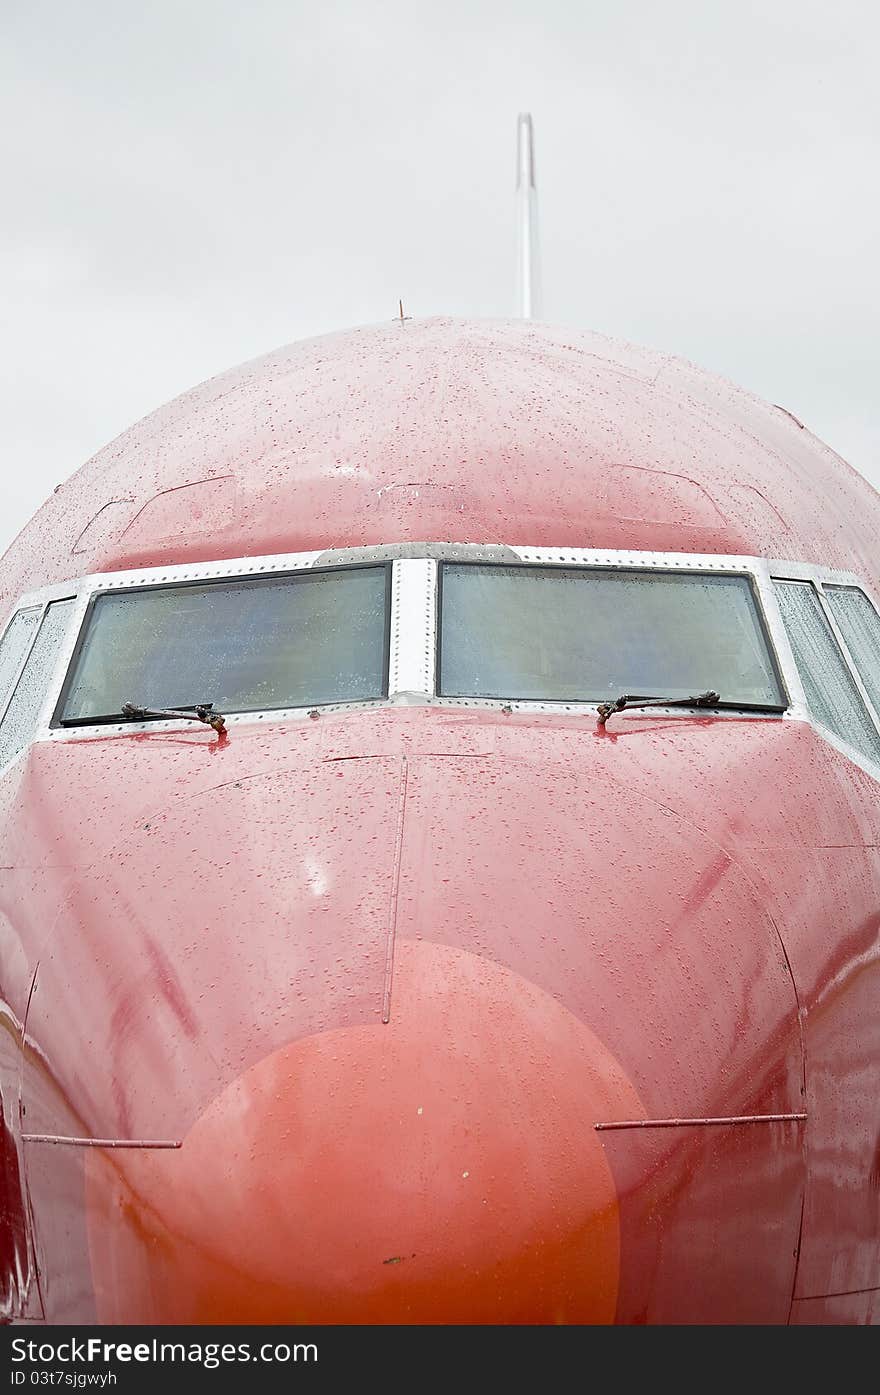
x=189 y=183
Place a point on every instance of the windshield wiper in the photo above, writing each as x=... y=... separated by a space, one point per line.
x=200 y=712
x=607 y=709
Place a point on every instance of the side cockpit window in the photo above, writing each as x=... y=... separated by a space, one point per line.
x=555 y=634
x=859 y=624
x=29 y=691
x=13 y=647
x=831 y=692
x=273 y=642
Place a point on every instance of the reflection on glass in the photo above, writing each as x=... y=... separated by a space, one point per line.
x=268 y=642
x=860 y=626
x=585 y=635
x=831 y=694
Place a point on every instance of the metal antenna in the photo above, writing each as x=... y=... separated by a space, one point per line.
x=528 y=290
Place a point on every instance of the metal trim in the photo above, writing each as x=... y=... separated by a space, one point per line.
x=439 y=551
x=173 y=575
x=702 y=1123
x=411 y=665
x=779 y=638
x=71 y=1142
x=562 y=707
x=403 y=633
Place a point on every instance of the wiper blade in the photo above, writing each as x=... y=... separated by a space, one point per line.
x=607 y=709
x=200 y=712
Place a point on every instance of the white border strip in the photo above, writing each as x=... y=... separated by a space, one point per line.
x=413 y=625
x=414 y=621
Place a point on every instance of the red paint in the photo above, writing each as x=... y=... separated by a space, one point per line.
x=679 y=920
x=374 y=1173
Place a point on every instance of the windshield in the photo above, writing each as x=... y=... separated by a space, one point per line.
x=263 y=642
x=583 y=635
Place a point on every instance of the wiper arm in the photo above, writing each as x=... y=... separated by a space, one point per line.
x=201 y=712
x=607 y=709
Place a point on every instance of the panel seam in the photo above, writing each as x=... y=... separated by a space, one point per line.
x=393 y=898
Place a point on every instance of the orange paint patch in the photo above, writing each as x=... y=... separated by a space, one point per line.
x=442 y=1168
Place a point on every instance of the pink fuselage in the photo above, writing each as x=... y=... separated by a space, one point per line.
x=675 y=917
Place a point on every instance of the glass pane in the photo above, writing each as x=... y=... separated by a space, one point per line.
x=265 y=642
x=14 y=647
x=831 y=694
x=20 y=721
x=588 y=635
x=860 y=626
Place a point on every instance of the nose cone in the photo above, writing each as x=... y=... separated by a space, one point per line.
x=443 y=1167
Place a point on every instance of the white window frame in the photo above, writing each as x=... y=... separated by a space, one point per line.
x=819 y=578
x=414 y=624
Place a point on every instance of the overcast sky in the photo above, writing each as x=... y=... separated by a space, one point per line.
x=188 y=184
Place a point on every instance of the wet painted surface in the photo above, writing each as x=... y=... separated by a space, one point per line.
x=455 y=430
x=240 y=922
x=676 y=918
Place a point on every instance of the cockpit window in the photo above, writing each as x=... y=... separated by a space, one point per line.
x=13 y=647
x=588 y=634
x=31 y=690
x=859 y=624
x=298 y=640
x=832 y=695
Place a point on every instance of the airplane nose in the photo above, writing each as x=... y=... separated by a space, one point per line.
x=441 y=1167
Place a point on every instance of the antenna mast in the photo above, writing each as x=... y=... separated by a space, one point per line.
x=528 y=290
